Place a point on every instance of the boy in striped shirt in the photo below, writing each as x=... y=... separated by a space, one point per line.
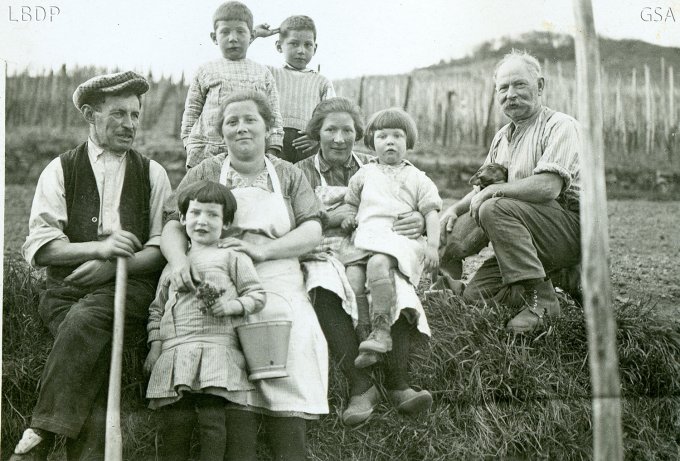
x=216 y=80
x=300 y=89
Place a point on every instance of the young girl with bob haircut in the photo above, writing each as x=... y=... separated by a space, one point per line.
x=195 y=360
x=381 y=191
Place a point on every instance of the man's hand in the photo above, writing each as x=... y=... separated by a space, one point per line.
x=152 y=357
x=263 y=30
x=120 y=243
x=95 y=272
x=305 y=145
x=410 y=225
x=446 y=222
x=222 y=308
x=349 y=224
x=479 y=198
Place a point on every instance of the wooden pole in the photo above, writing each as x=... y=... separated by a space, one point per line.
x=648 y=112
x=670 y=136
x=409 y=83
x=489 y=127
x=671 y=99
x=360 y=99
x=114 y=441
x=448 y=118
x=603 y=358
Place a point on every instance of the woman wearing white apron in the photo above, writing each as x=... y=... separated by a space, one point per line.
x=337 y=124
x=277 y=220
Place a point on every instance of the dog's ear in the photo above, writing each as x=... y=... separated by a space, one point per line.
x=502 y=172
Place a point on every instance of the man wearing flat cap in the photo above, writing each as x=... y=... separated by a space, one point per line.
x=92 y=204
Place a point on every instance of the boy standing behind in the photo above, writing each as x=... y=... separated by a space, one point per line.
x=215 y=80
x=300 y=89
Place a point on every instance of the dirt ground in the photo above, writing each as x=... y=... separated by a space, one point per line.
x=644 y=244
x=644 y=247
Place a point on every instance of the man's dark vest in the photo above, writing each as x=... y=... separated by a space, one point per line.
x=83 y=201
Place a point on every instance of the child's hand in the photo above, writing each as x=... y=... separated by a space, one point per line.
x=431 y=259
x=305 y=145
x=263 y=30
x=223 y=308
x=208 y=295
x=152 y=357
x=349 y=223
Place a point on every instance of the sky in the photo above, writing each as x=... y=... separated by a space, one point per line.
x=355 y=37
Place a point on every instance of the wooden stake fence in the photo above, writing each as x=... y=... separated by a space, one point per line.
x=603 y=357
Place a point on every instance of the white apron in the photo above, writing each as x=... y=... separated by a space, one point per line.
x=327 y=272
x=264 y=216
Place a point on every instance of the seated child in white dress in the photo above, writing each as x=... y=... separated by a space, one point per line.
x=195 y=360
x=381 y=191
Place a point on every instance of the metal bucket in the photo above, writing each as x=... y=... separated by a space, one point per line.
x=265 y=346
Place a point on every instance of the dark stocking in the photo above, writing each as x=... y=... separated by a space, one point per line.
x=341 y=337
x=287 y=438
x=396 y=365
x=241 y=427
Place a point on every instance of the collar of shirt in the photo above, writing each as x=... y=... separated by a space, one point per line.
x=326 y=166
x=513 y=127
x=304 y=71
x=94 y=152
x=403 y=163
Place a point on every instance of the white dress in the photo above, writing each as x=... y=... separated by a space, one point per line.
x=200 y=351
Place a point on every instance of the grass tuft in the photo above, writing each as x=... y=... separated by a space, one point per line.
x=495 y=395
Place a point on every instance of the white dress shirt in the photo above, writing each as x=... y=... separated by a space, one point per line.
x=48 y=217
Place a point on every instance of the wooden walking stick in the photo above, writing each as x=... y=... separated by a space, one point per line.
x=114 y=439
x=604 y=362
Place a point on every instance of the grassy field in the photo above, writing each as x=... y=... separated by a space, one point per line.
x=495 y=396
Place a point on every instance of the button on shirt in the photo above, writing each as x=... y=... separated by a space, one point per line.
x=49 y=212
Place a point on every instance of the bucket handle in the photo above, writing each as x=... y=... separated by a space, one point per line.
x=290 y=305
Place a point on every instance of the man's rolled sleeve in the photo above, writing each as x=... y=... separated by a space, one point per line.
x=562 y=147
x=48 y=212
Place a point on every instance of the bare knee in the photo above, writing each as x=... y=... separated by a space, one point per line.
x=356 y=275
x=379 y=266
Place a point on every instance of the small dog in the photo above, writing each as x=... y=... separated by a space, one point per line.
x=491 y=173
x=466 y=238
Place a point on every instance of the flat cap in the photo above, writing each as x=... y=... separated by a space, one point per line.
x=117 y=83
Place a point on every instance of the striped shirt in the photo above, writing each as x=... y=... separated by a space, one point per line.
x=299 y=93
x=213 y=83
x=335 y=175
x=548 y=142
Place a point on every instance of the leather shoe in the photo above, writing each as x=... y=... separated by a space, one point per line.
x=361 y=407
x=34 y=445
x=411 y=402
x=539 y=301
x=366 y=359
